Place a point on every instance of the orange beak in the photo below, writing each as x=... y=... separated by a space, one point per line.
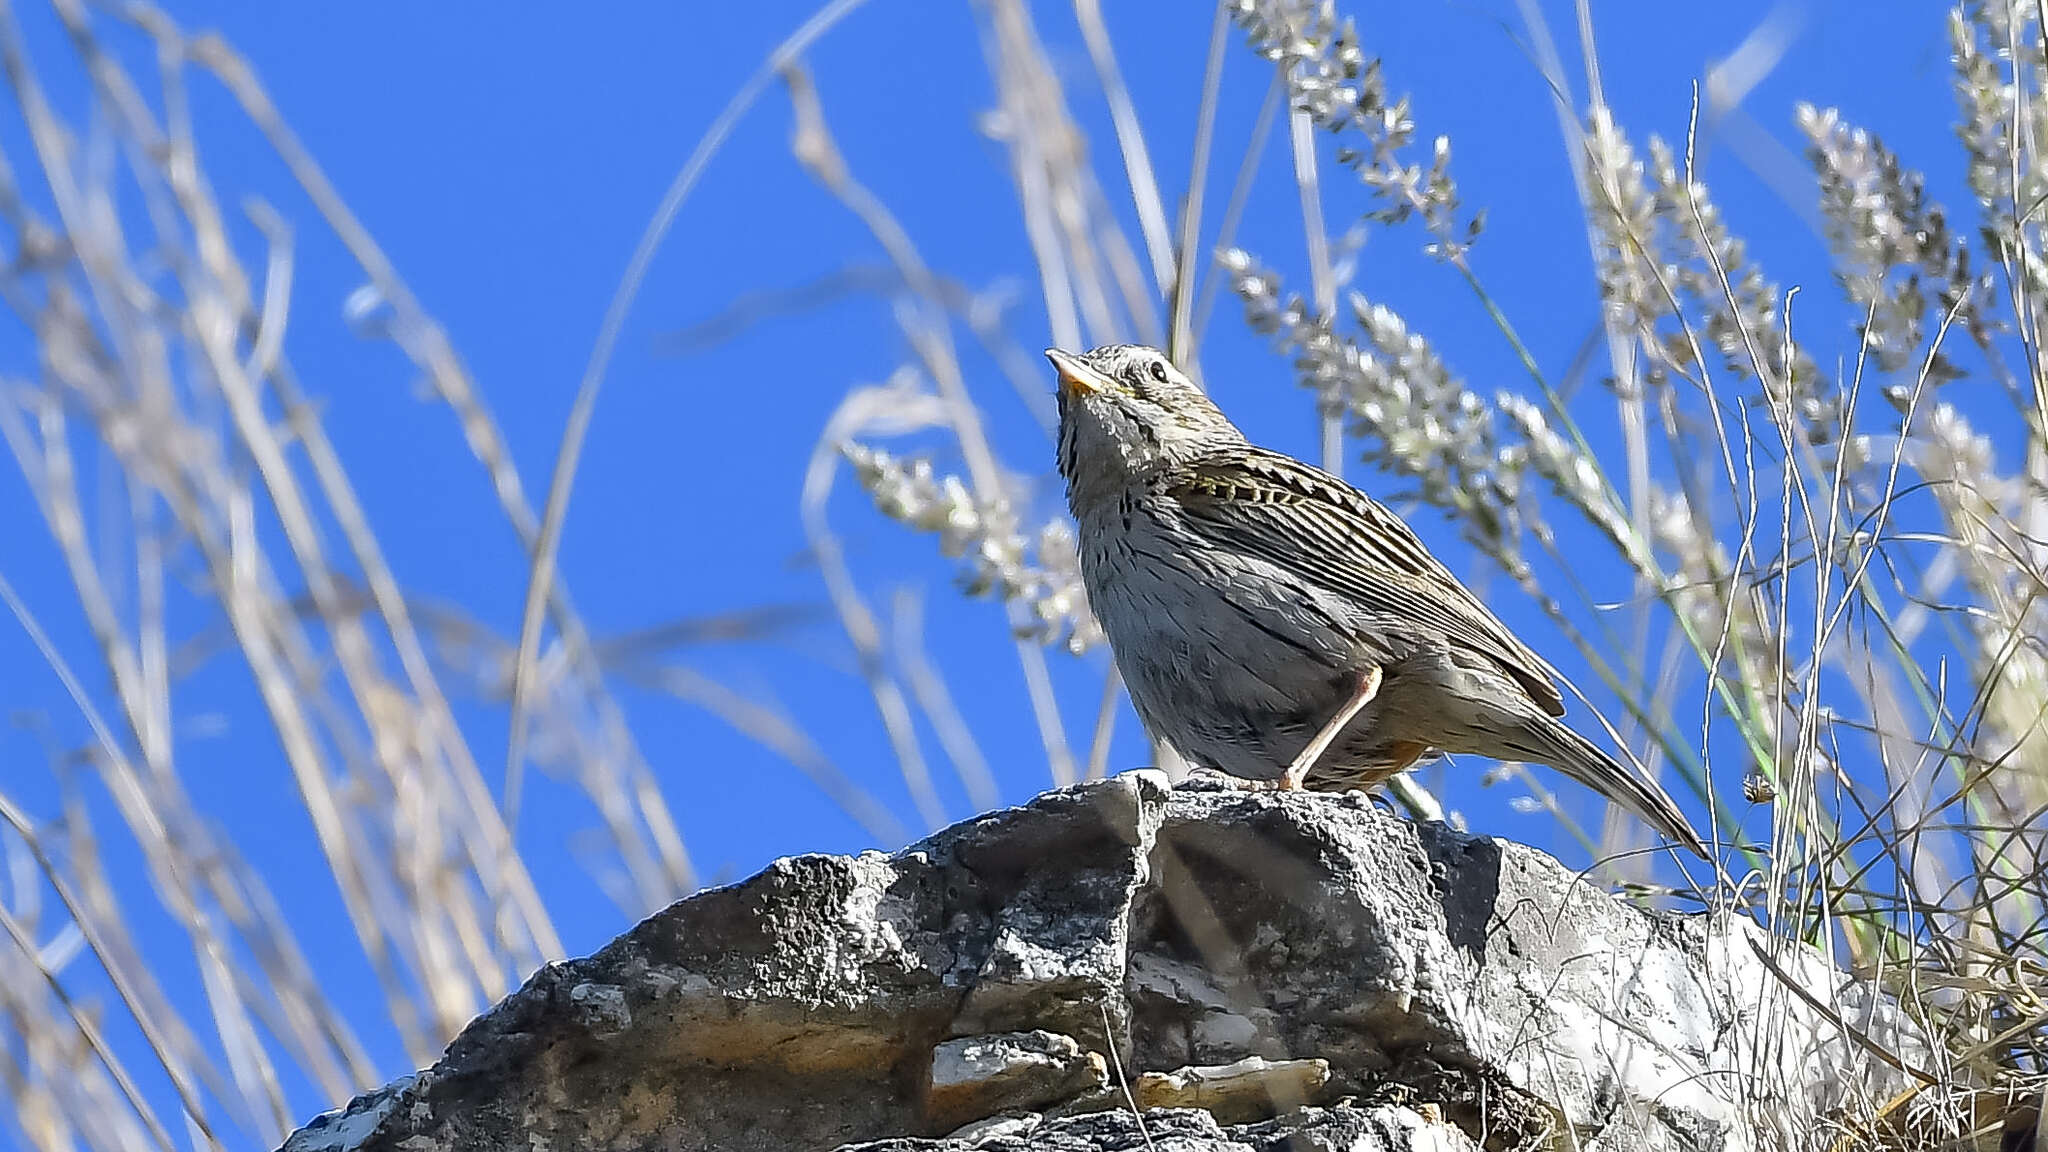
x=1076 y=377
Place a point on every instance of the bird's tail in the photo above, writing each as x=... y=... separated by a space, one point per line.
x=1629 y=786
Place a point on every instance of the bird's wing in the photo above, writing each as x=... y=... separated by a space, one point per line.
x=1314 y=525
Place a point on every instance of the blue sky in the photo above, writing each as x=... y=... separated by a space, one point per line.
x=507 y=158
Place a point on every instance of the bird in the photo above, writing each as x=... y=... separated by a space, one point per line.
x=1274 y=623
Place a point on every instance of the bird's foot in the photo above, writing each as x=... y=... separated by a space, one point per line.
x=1214 y=780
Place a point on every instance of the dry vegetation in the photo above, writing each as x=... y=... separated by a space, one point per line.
x=1834 y=647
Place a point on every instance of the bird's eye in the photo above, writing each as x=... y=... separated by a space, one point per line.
x=1159 y=371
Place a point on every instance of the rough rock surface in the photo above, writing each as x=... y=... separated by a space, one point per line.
x=1386 y=1128
x=974 y=1077
x=1464 y=992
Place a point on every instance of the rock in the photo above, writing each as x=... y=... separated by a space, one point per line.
x=1252 y=1088
x=836 y=1000
x=983 y=1131
x=1384 y=1128
x=978 y=1076
x=348 y=1128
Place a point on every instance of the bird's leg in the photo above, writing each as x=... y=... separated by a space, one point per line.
x=1368 y=687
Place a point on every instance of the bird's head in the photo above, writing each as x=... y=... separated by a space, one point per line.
x=1127 y=412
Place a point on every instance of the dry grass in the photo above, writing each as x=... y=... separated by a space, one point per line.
x=1833 y=643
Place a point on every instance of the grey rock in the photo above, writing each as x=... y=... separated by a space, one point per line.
x=983 y=1131
x=1437 y=974
x=979 y=1076
x=347 y=1128
x=1385 y=1128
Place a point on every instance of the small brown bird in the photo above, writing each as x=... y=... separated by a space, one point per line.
x=1275 y=623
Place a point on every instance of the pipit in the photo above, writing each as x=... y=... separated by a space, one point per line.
x=1277 y=624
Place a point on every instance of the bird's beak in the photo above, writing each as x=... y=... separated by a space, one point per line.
x=1076 y=377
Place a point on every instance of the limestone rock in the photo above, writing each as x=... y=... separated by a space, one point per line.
x=1435 y=974
x=978 y=1076
x=1251 y=1088
x=1387 y=1128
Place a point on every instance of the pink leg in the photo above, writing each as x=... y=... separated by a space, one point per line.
x=1368 y=687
